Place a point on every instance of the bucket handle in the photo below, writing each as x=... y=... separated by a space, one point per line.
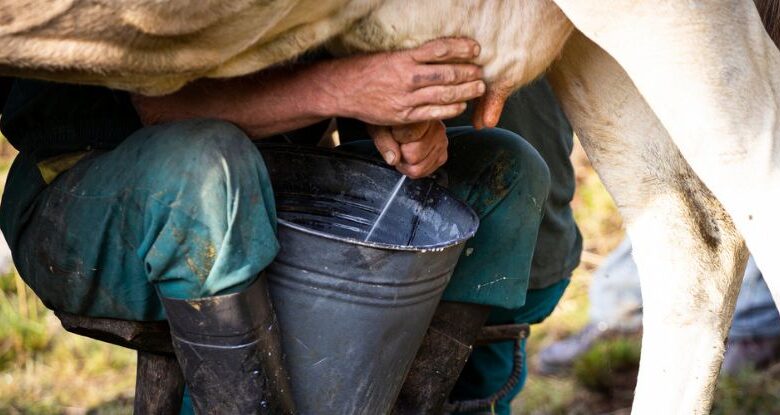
x=494 y=334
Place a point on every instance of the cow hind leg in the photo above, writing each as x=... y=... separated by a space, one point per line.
x=689 y=254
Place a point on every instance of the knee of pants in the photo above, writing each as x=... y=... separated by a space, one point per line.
x=508 y=165
x=199 y=164
x=506 y=182
x=517 y=165
x=212 y=219
x=193 y=151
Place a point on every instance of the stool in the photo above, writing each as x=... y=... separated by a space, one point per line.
x=159 y=384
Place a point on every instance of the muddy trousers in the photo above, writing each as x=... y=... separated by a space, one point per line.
x=185 y=210
x=489 y=366
x=478 y=279
x=182 y=210
x=504 y=179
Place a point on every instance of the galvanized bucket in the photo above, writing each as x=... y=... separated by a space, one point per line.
x=353 y=313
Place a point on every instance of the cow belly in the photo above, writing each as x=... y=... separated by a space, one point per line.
x=155 y=48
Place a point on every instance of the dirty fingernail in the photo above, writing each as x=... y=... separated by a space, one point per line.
x=389 y=157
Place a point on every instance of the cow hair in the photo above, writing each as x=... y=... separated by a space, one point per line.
x=770 y=15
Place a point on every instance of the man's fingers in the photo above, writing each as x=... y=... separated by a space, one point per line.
x=417 y=152
x=387 y=146
x=423 y=157
x=447 y=74
x=415 y=159
x=442 y=158
x=434 y=160
x=434 y=112
x=450 y=94
x=408 y=133
x=415 y=171
x=446 y=50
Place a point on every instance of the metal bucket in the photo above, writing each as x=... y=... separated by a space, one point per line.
x=352 y=313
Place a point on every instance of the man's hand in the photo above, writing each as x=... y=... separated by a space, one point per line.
x=416 y=150
x=433 y=81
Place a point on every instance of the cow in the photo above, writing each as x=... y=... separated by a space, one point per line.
x=675 y=102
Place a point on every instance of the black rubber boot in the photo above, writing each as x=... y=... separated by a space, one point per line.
x=441 y=357
x=229 y=351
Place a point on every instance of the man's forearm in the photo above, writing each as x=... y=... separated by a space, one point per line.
x=431 y=82
x=271 y=102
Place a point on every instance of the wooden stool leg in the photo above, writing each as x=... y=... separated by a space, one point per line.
x=159 y=385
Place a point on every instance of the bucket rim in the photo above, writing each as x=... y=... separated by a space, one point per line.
x=378 y=245
x=468 y=234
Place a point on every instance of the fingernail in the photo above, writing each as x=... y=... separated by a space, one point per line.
x=477 y=49
x=389 y=157
x=440 y=51
x=481 y=88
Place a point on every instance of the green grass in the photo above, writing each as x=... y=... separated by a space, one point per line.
x=748 y=393
x=45 y=370
x=602 y=368
x=20 y=338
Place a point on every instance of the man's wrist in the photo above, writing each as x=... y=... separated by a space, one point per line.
x=329 y=95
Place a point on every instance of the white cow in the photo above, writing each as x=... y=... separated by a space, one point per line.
x=675 y=101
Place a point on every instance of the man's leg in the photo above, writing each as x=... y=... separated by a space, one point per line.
x=503 y=248
x=489 y=366
x=185 y=209
x=534 y=114
x=503 y=178
x=182 y=211
x=506 y=182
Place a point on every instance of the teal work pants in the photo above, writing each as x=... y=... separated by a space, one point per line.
x=489 y=366
x=183 y=210
x=186 y=210
x=506 y=182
